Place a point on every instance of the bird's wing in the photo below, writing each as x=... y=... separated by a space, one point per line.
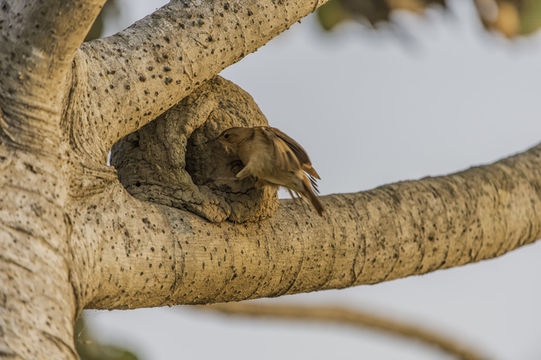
x=284 y=156
x=298 y=151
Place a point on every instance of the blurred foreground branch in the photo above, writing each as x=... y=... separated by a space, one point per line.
x=355 y=318
x=89 y=348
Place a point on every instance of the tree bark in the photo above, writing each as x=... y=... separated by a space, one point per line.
x=37 y=302
x=72 y=236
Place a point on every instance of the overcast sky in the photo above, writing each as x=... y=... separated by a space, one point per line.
x=371 y=109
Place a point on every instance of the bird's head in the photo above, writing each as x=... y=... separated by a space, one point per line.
x=233 y=136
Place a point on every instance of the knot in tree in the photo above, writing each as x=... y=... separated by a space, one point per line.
x=176 y=161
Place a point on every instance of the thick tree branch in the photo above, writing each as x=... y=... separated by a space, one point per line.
x=155 y=255
x=130 y=78
x=37 y=303
x=51 y=30
x=38 y=41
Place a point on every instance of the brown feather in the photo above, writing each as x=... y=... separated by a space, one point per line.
x=273 y=158
x=312 y=197
x=298 y=150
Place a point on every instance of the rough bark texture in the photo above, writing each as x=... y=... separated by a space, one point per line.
x=72 y=236
x=37 y=302
x=390 y=232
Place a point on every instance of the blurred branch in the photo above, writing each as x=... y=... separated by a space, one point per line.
x=355 y=318
x=89 y=348
x=511 y=18
x=369 y=12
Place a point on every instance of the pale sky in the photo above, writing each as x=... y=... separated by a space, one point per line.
x=371 y=109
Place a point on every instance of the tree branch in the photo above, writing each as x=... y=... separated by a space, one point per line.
x=156 y=255
x=343 y=316
x=44 y=35
x=38 y=41
x=130 y=78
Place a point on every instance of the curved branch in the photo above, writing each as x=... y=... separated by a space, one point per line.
x=44 y=35
x=38 y=41
x=162 y=58
x=355 y=318
x=156 y=255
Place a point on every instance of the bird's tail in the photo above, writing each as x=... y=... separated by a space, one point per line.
x=309 y=193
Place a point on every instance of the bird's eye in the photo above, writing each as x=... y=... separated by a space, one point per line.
x=226 y=136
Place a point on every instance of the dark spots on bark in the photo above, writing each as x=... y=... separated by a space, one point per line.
x=150 y=68
x=30 y=168
x=37 y=209
x=142 y=78
x=166 y=69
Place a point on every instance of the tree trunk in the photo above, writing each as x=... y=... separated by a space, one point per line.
x=159 y=229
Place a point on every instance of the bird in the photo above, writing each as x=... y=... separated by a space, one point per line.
x=274 y=159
